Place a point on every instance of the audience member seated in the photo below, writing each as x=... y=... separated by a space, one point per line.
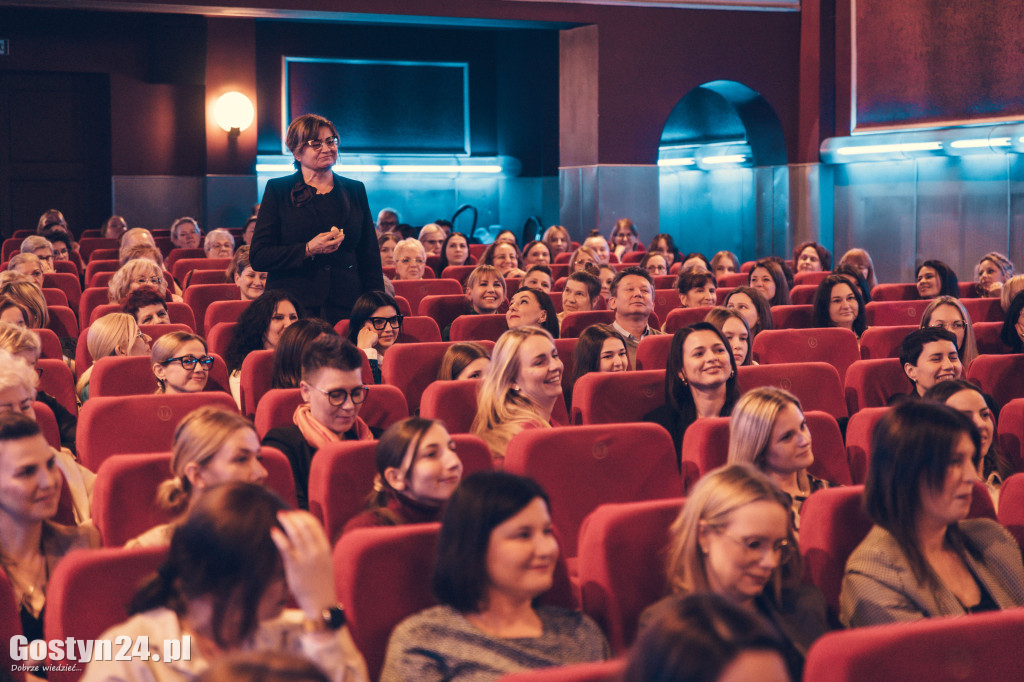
x=388 y=220
x=114 y=227
x=655 y=263
x=507 y=237
x=539 y=277
x=133 y=237
x=112 y=334
x=923 y=558
x=837 y=303
x=1012 y=333
x=696 y=288
x=211 y=446
x=580 y=293
x=62 y=243
x=31 y=545
x=250 y=283
x=935 y=278
x=496 y=554
x=599 y=349
x=410 y=259
x=504 y=256
x=1013 y=286
x=990 y=274
x=695 y=262
x=432 y=238
x=29 y=265
x=583 y=257
x=624 y=238
x=417 y=471
x=707 y=638
x=185 y=233
x=632 y=300
x=768 y=430
x=454 y=251
x=181 y=363
x=248 y=229
x=219 y=243
x=736 y=332
x=947 y=312
x=29 y=299
x=929 y=356
x=485 y=291
x=733 y=538
x=532 y=307
x=519 y=390
x=769 y=278
x=812 y=257
x=291 y=348
x=724 y=263
x=966 y=398
x=861 y=259
x=41 y=248
x=12 y=313
x=259 y=327
x=558 y=240
x=754 y=308
x=664 y=244
x=387 y=242
x=51 y=218
x=856 y=279
x=606 y=273
x=465 y=360
x=146 y=305
x=332 y=391
x=132 y=275
x=599 y=245
x=374 y=327
x=231 y=566
x=700 y=381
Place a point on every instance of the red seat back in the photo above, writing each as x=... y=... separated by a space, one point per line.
x=984 y=309
x=1011 y=433
x=218 y=337
x=256 y=379
x=413 y=366
x=581 y=467
x=792 y=316
x=573 y=324
x=455 y=403
x=1011 y=507
x=836 y=346
x=415 y=329
x=54 y=296
x=56 y=379
x=895 y=313
x=883 y=342
x=49 y=344
x=457 y=272
x=652 y=353
x=222 y=311
x=803 y=294
x=48 y=425
x=816 y=384
x=665 y=301
x=988 y=337
x=734 y=279
x=175 y=254
x=63 y=322
x=859 y=431
x=684 y=317
x=1000 y=376
x=415 y=290
x=478 y=327
x=182 y=266
x=871 y=383
x=198 y=297
x=444 y=309
x=894 y=292
x=86 y=245
x=68 y=283
x=617 y=397
x=809 y=278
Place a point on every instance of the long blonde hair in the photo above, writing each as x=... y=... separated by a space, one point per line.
x=752 y=423
x=969 y=348
x=121 y=283
x=167 y=346
x=27 y=295
x=106 y=335
x=199 y=436
x=502 y=411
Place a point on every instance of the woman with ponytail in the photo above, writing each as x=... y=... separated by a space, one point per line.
x=211 y=445
x=417 y=471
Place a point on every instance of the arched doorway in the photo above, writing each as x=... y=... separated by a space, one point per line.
x=724 y=183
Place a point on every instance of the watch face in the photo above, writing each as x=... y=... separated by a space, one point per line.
x=334 y=617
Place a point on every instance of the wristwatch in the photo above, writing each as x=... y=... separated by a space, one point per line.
x=331 y=619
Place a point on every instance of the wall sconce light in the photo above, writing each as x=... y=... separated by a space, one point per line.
x=233 y=112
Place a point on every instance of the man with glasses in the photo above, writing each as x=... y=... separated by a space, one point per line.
x=333 y=392
x=314 y=234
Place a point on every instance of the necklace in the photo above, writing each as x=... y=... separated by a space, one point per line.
x=26 y=581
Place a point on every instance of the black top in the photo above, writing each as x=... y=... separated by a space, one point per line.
x=291 y=214
x=675 y=425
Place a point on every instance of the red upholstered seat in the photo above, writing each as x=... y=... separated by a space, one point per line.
x=895 y=313
x=63 y=322
x=72 y=607
x=803 y=294
x=455 y=403
x=1011 y=432
x=123 y=496
x=899 y=291
x=816 y=384
x=182 y=266
x=652 y=353
x=883 y=342
x=133 y=375
x=617 y=577
x=56 y=379
x=665 y=301
x=136 y=424
x=582 y=467
x=341 y=476
x=176 y=254
x=67 y=283
x=198 y=297
x=606 y=671
x=48 y=425
x=96 y=265
x=49 y=344
x=413 y=366
x=53 y=296
x=478 y=327
x=987 y=336
x=218 y=337
x=574 y=323
x=984 y=309
x=870 y=383
x=256 y=379
x=457 y=272
x=705 y=446
x=90 y=298
x=384 y=406
x=684 y=317
x=155 y=331
x=971 y=648
x=444 y=309
x=86 y=245
x=222 y=311
x=734 y=279
x=836 y=346
x=617 y=397
x=792 y=316
x=382 y=576
x=859 y=431
x=1011 y=507
x=813 y=278
x=415 y=290
x=1001 y=376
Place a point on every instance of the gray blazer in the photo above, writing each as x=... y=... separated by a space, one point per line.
x=879 y=586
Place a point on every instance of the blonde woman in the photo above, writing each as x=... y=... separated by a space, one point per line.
x=558 y=240
x=181 y=363
x=520 y=389
x=112 y=334
x=133 y=237
x=991 y=273
x=950 y=314
x=1013 y=286
x=211 y=445
x=861 y=259
x=768 y=430
x=29 y=297
x=146 y=251
x=410 y=259
x=134 y=274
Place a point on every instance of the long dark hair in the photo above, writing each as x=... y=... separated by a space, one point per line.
x=1008 y=333
x=550 y=323
x=363 y=309
x=823 y=300
x=994 y=459
x=778 y=276
x=677 y=391
x=253 y=323
x=444 y=251
x=950 y=285
x=587 y=356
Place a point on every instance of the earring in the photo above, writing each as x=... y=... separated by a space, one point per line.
x=515 y=387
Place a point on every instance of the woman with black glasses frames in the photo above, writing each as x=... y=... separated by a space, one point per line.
x=374 y=327
x=181 y=363
x=314 y=234
x=332 y=392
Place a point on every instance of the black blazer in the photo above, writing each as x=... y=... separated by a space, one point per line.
x=290 y=215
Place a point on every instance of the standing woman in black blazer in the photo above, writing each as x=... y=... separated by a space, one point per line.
x=314 y=233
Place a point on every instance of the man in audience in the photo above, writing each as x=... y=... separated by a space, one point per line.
x=632 y=299
x=185 y=233
x=580 y=293
x=219 y=243
x=387 y=220
x=41 y=248
x=599 y=245
x=929 y=356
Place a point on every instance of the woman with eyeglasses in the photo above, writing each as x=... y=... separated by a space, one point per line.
x=314 y=233
x=374 y=327
x=137 y=272
x=332 y=391
x=733 y=537
x=181 y=363
x=950 y=314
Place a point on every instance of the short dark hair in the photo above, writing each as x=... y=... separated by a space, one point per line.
x=58 y=235
x=14 y=426
x=774 y=268
x=823 y=300
x=333 y=352
x=540 y=268
x=140 y=298
x=691 y=280
x=913 y=444
x=482 y=502
x=823 y=254
x=530 y=246
x=588 y=280
x=626 y=272
x=913 y=344
x=696 y=254
x=950 y=285
x=363 y=309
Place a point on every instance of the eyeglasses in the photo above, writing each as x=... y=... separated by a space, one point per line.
x=760 y=546
x=380 y=322
x=189 y=362
x=155 y=281
x=958 y=326
x=317 y=144
x=338 y=396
